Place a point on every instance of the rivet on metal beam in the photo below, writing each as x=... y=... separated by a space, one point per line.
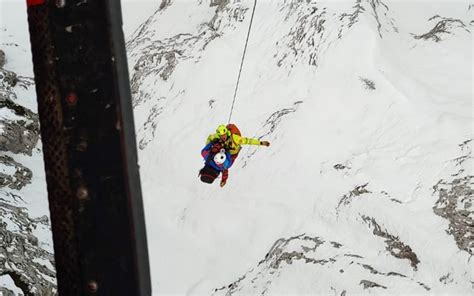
x=71 y=98
x=92 y=286
x=82 y=193
x=60 y=3
x=82 y=146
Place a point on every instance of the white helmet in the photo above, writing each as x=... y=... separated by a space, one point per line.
x=220 y=157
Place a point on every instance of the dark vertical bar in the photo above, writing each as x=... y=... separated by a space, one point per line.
x=60 y=195
x=87 y=124
x=125 y=111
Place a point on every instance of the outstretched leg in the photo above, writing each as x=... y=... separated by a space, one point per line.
x=233 y=157
x=225 y=175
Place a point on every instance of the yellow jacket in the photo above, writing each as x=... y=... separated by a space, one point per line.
x=234 y=142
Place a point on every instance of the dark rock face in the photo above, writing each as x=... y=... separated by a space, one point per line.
x=154 y=61
x=2 y=58
x=357 y=191
x=19 y=126
x=455 y=204
x=317 y=256
x=152 y=57
x=8 y=78
x=368 y=284
x=23 y=255
x=164 y=4
x=456 y=199
x=369 y=84
x=20 y=133
x=6 y=292
x=218 y=2
x=394 y=245
x=444 y=26
x=278 y=253
x=316 y=28
x=18 y=179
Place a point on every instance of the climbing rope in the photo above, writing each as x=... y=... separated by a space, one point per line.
x=242 y=61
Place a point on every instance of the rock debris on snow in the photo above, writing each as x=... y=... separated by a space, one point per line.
x=444 y=26
x=393 y=243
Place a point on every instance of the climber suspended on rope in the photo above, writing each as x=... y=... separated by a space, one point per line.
x=227 y=139
x=217 y=160
x=231 y=140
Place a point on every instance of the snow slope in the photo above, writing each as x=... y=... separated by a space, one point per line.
x=367 y=105
x=367 y=187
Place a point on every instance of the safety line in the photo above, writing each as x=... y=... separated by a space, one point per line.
x=242 y=61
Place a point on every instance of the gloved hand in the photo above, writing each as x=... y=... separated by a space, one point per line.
x=265 y=143
x=222 y=183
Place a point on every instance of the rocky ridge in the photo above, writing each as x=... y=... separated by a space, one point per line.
x=327 y=263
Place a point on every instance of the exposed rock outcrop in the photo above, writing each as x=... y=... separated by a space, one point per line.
x=156 y=60
x=19 y=177
x=329 y=263
x=456 y=200
x=394 y=245
x=314 y=30
x=24 y=257
x=444 y=26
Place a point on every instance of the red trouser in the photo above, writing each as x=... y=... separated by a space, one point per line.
x=233 y=157
x=225 y=175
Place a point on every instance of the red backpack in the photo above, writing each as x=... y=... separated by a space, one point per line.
x=234 y=129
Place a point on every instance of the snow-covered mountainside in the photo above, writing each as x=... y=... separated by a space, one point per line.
x=26 y=249
x=367 y=186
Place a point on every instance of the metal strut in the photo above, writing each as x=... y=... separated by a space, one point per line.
x=88 y=137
